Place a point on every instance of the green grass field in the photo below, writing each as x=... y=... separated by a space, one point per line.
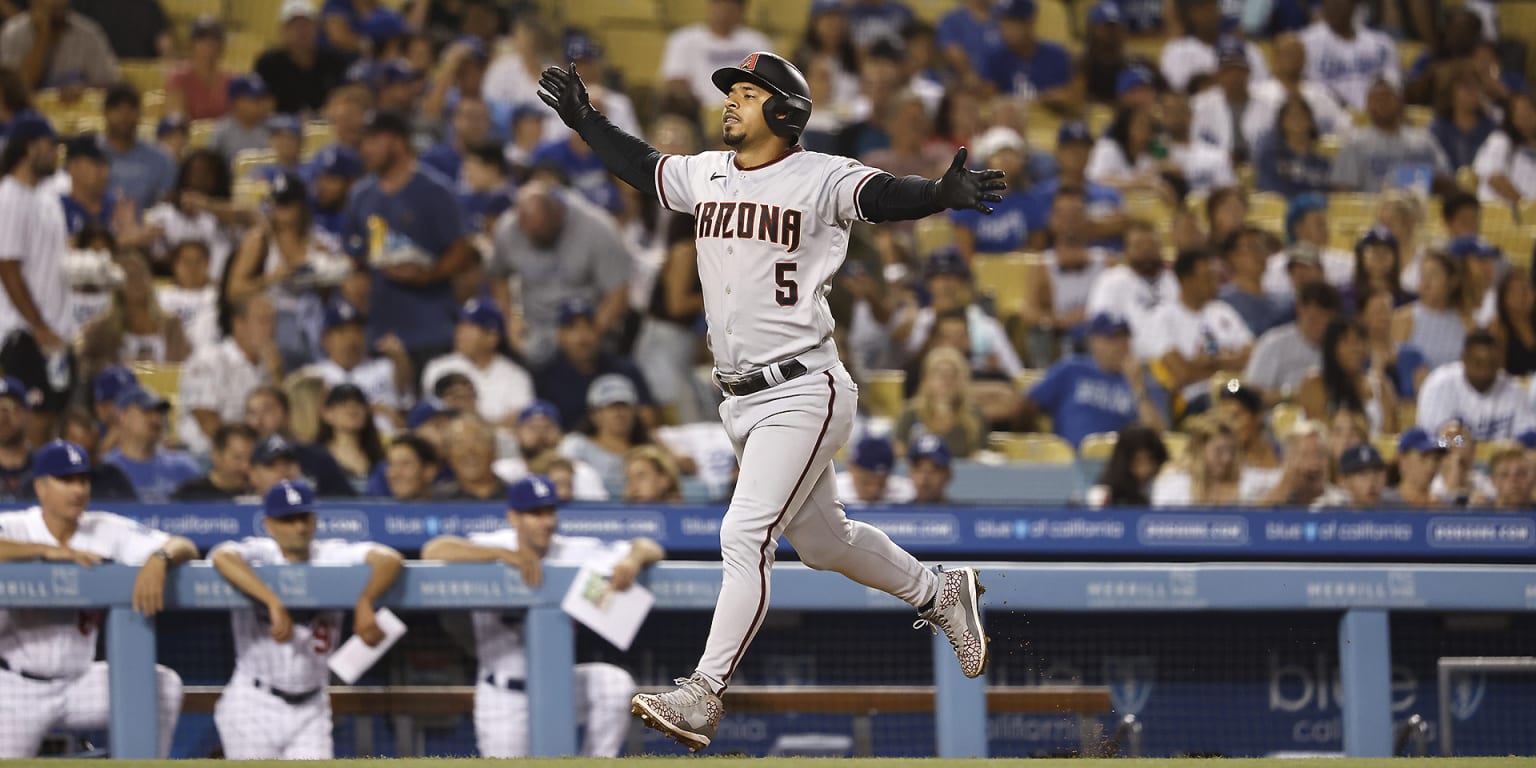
x=669 y=762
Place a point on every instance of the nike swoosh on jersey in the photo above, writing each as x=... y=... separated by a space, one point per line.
x=717 y=177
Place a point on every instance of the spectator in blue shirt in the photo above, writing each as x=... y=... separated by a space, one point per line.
x=1025 y=65
x=1461 y=125
x=579 y=360
x=336 y=169
x=1009 y=226
x=347 y=24
x=406 y=223
x=967 y=34
x=874 y=21
x=488 y=188
x=1106 y=206
x=1104 y=391
x=140 y=171
x=1287 y=160
x=285 y=137
x=89 y=176
x=471 y=126
x=155 y=472
x=580 y=166
x=1104 y=55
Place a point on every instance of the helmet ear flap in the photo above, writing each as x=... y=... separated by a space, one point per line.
x=775 y=110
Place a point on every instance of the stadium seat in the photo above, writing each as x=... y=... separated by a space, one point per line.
x=1032 y=447
x=1386 y=445
x=1351 y=205
x=163 y=379
x=248 y=160
x=882 y=392
x=1407 y=414
x=199 y=132
x=1176 y=443
x=1006 y=278
x=1267 y=209
x=1283 y=418
x=1028 y=378
x=681 y=13
x=241 y=50
x=1149 y=207
x=780 y=16
x=1098 y=446
x=1418 y=116
x=258 y=19
x=595 y=14
x=182 y=11
x=642 y=48
x=933 y=233
x=316 y=137
x=1054 y=23
x=143 y=74
x=250 y=192
x=1041 y=127
x=1466 y=178
x=1098 y=117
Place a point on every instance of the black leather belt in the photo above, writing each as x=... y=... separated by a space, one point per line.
x=25 y=675
x=511 y=685
x=291 y=698
x=757 y=381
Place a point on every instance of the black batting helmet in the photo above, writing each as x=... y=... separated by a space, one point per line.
x=787 y=111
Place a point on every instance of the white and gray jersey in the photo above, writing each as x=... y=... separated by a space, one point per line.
x=298 y=665
x=63 y=643
x=499 y=634
x=770 y=239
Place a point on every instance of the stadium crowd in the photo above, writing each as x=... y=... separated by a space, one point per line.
x=1251 y=253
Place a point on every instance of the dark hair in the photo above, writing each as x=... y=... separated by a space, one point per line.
x=93 y=232
x=119 y=94
x=1452 y=270
x=1515 y=137
x=367 y=438
x=449 y=380
x=193 y=243
x=489 y=153
x=1480 y=338
x=1124 y=489
x=1218 y=196
x=1319 y=294
x=1119 y=132
x=223 y=181
x=1455 y=201
x=418 y=445
x=1313 y=131
x=1343 y=390
x=14 y=94
x=1188 y=259
x=1506 y=320
x=273 y=391
x=1362 y=281
x=15 y=151
x=1234 y=240
x=847 y=54
x=228 y=432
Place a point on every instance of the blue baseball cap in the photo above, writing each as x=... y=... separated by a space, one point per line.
x=819 y=7
x=539 y=408
x=383 y=25
x=930 y=448
x=1133 y=77
x=272 y=449
x=1230 y=52
x=112 y=381
x=339 y=313
x=170 y=124
x=526 y=112
x=29 y=126
x=1472 y=246
x=60 y=458
x=1527 y=439
x=1377 y=235
x=484 y=314
x=476 y=46
x=425 y=411
x=1074 y=132
x=1016 y=9
x=579 y=46
x=948 y=261
x=572 y=310
x=289 y=497
x=1419 y=440
x=1360 y=458
x=247 y=87
x=1106 y=13
x=11 y=387
x=396 y=71
x=874 y=454
x=285 y=124
x=532 y=492
x=1107 y=324
x=1300 y=206
x=141 y=398
x=340 y=160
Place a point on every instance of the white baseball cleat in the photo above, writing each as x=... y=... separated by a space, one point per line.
x=688 y=715
x=957 y=610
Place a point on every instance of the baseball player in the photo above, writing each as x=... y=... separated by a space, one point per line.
x=48 y=674
x=602 y=690
x=772 y=225
x=276 y=706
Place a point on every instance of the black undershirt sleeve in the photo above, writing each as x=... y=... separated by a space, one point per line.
x=887 y=198
x=627 y=157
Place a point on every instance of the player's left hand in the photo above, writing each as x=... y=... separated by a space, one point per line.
x=963 y=190
x=366 y=625
x=565 y=93
x=624 y=573
x=149 y=587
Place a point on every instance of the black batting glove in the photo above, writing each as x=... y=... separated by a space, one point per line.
x=565 y=93
x=963 y=190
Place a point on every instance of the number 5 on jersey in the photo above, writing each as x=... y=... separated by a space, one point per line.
x=788 y=291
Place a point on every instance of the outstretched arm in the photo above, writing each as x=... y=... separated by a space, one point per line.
x=628 y=157
x=887 y=198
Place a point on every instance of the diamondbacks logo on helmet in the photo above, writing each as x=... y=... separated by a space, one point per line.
x=749 y=63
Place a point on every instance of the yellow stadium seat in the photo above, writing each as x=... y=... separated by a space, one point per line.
x=199 y=132
x=1098 y=116
x=1149 y=207
x=933 y=233
x=1486 y=450
x=1418 y=116
x=1006 y=278
x=1032 y=447
x=781 y=16
x=1407 y=415
x=1041 y=127
x=186 y=10
x=681 y=13
x=1148 y=47
x=1098 y=446
x=1283 y=418
x=163 y=379
x=882 y=392
x=593 y=14
x=1054 y=23
x=1176 y=443
x=143 y=75
x=1328 y=146
x=642 y=48
x=250 y=192
x=241 y=50
x=153 y=106
x=1265 y=208
x=1408 y=52
x=1466 y=178
x=248 y=160
x=317 y=136
x=1351 y=205
x=257 y=18
x=931 y=10
x=1386 y=445
x=1028 y=378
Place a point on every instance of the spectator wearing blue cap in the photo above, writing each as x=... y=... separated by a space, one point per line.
x=868 y=478
x=1514 y=480
x=487 y=188
x=560 y=247
x=141 y=171
x=967 y=33
x=1103 y=391
x=1017 y=216
x=62 y=528
x=1106 y=206
x=694 y=52
x=404 y=220
x=1026 y=65
x=350 y=26
x=1105 y=58
x=1388 y=151
x=250 y=104
x=1505 y=169
x=1286 y=159
x=1475 y=391
x=385 y=380
x=1419 y=455
x=332 y=172
x=1307 y=232
x=928 y=466
x=172 y=135
x=199 y=87
x=579 y=360
x=267 y=690
x=104 y=390
x=505 y=386
x=1482 y=263
x=471 y=127
x=1362 y=477
x=286 y=141
x=1195 y=52
x=229 y=474
x=539 y=434
x=15 y=458
x=140 y=423
x=528 y=543
x=49 y=45
x=300 y=71
x=87 y=202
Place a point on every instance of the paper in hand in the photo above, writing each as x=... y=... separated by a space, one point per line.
x=614 y=616
x=355 y=657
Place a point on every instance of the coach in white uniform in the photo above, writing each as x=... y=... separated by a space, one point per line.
x=276 y=706
x=602 y=690
x=48 y=674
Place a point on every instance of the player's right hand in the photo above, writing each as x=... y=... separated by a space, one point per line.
x=65 y=555
x=565 y=93
x=527 y=565
x=282 y=623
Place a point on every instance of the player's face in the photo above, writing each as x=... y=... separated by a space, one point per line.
x=535 y=528
x=929 y=481
x=293 y=533
x=63 y=497
x=742 y=122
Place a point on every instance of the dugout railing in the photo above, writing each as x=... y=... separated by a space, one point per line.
x=1361 y=595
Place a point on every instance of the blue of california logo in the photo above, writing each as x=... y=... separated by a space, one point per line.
x=1130 y=680
x=1467 y=695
